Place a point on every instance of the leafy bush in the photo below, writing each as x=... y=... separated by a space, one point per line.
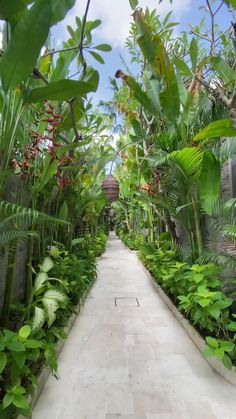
x=19 y=353
x=196 y=290
x=206 y=308
x=59 y=284
x=222 y=349
x=132 y=239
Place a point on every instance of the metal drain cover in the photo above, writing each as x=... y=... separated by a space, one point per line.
x=126 y=302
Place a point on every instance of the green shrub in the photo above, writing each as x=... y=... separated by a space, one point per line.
x=196 y=290
x=19 y=355
x=59 y=283
x=133 y=240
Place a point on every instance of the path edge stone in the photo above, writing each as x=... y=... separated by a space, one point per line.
x=229 y=375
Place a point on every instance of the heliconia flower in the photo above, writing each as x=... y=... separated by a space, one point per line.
x=55 y=123
x=57 y=116
x=16 y=162
x=27 y=163
x=52 y=160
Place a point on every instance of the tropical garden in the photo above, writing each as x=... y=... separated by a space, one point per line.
x=175 y=113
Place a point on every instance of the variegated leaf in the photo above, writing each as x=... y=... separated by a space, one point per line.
x=51 y=307
x=40 y=279
x=38 y=319
x=47 y=265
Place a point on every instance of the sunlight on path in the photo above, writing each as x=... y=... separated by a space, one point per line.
x=128 y=358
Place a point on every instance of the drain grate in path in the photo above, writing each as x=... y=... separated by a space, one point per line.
x=127 y=302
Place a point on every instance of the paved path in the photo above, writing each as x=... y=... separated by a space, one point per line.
x=130 y=359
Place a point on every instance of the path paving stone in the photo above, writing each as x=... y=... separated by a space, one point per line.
x=130 y=361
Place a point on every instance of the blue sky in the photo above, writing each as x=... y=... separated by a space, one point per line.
x=116 y=17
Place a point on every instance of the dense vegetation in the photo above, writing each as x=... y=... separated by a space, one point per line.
x=52 y=212
x=176 y=117
x=177 y=203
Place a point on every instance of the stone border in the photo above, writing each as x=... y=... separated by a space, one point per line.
x=215 y=363
x=45 y=373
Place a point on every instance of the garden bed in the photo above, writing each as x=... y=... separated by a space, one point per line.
x=30 y=352
x=45 y=372
x=216 y=364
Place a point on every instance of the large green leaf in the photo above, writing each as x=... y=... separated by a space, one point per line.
x=78 y=108
x=61 y=69
x=11 y=10
x=25 y=45
x=40 y=280
x=51 y=299
x=63 y=212
x=7 y=400
x=220 y=128
x=190 y=109
x=97 y=57
x=38 y=319
x=152 y=87
x=193 y=51
x=189 y=162
x=212 y=342
x=133 y=4
x=103 y=47
x=137 y=128
x=50 y=169
x=64 y=89
x=156 y=55
x=55 y=294
x=51 y=307
x=3 y=361
x=24 y=332
x=209 y=180
x=60 y=9
x=182 y=67
x=47 y=264
x=231 y=2
x=21 y=402
x=169 y=98
x=227 y=74
x=139 y=94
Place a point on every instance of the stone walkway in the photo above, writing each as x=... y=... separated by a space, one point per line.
x=127 y=357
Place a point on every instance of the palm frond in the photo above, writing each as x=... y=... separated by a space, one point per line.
x=17 y=222
x=222 y=258
x=188 y=160
x=7 y=237
x=19 y=215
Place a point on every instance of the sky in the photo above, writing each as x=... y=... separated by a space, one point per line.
x=116 y=16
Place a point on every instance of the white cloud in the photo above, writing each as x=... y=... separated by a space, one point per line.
x=116 y=15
